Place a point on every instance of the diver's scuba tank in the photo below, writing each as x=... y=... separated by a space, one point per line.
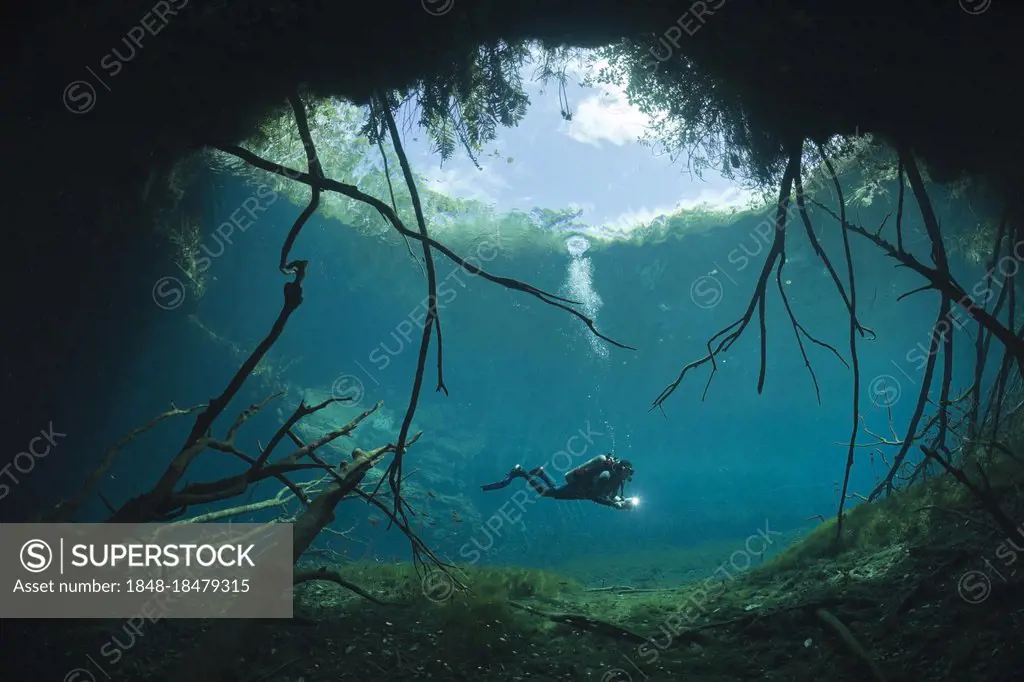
x=589 y=468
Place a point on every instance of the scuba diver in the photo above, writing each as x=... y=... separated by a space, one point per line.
x=602 y=479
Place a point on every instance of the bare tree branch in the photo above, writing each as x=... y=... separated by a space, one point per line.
x=353 y=192
x=757 y=300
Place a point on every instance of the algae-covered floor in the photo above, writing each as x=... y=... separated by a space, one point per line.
x=917 y=612
x=925 y=589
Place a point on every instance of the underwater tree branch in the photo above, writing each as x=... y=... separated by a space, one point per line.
x=353 y=192
x=325 y=574
x=315 y=170
x=149 y=506
x=945 y=284
x=433 y=318
x=915 y=419
x=880 y=440
x=391 y=189
x=231 y=486
x=899 y=204
x=947 y=378
x=156 y=503
x=993 y=409
x=282 y=498
x=918 y=290
x=222 y=644
x=300 y=412
x=931 y=222
x=65 y=510
x=799 y=329
x=245 y=414
x=997 y=394
x=940 y=279
x=419 y=548
x=320 y=511
x=942 y=265
x=224 y=488
x=941 y=416
x=1001 y=447
x=757 y=300
x=153 y=505
x=896 y=441
x=850 y=641
x=629 y=589
x=587 y=623
x=202 y=493
x=228 y=446
x=852 y=303
x=820 y=251
x=317 y=180
x=984 y=495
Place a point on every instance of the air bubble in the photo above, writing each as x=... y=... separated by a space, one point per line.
x=577 y=245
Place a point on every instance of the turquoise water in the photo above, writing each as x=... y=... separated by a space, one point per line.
x=528 y=383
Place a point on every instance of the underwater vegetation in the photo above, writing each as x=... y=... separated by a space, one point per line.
x=898 y=597
x=911 y=595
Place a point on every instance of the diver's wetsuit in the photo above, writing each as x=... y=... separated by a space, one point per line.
x=601 y=480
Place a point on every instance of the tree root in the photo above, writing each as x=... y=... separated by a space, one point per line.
x=697 y=634
x=850 y=641
x=217 y=654
x=325 y=574
x=432 y=323
x=278 y=669
x=984 y=495
x=65 y=510
x=581 y=622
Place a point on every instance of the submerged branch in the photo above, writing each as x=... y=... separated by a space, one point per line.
x=432 y=321
x=157 y=503
x=734 y=331
x=327 y=575
x=65 y=510
x=587 y=623
x=854 y=328
x=353 y=192
x=851 y=642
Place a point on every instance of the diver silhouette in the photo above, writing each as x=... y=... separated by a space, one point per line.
x=601 y=479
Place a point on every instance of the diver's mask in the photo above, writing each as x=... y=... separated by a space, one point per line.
x=624 y=470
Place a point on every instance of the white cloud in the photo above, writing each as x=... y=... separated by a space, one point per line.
x=585 y=206
x=731 y=197
x=628 y=221
x=468 y=183
x=605 y=115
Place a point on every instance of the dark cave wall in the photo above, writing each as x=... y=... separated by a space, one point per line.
x=925 y=72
